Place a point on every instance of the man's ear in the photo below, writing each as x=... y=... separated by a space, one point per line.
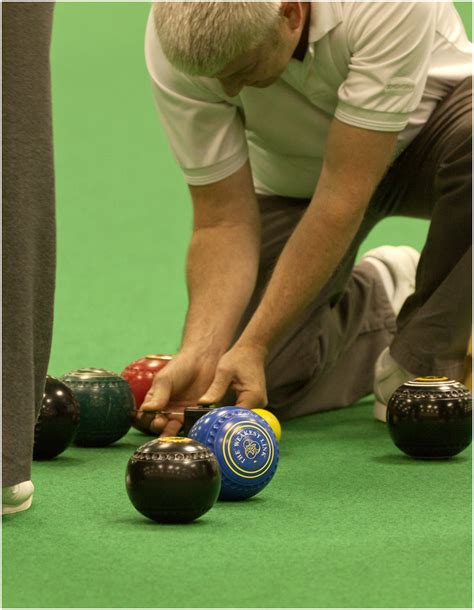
x=293 y=13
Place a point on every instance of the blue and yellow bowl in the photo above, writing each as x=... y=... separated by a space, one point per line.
x=245 y=446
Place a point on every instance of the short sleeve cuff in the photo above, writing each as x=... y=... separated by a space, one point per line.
x=370 y=119
x=213 y=173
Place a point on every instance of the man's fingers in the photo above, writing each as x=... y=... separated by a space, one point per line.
x=251 y=400
x=158 y=423
x=218 y=387
x=142 y=421
x=158 y=395
x=172 y=428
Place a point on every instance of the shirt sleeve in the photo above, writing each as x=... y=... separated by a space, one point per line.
x=391 y=45
x=205 y=131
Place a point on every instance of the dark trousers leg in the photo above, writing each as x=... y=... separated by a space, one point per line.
x=28 y=227
x=434 y=326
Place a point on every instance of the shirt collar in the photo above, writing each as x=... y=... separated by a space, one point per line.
x=324 y=17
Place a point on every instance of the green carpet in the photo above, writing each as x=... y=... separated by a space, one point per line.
x=379 y=531
x=348 y=521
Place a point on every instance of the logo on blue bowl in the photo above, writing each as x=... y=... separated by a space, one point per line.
x=247 y=449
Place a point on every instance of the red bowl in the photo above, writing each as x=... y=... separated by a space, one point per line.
x=140 y=374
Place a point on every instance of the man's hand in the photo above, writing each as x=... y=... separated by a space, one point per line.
x=242 y=369
x=226 y=220
x=180 y=384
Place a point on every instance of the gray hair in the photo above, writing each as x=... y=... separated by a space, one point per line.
x=201 y=38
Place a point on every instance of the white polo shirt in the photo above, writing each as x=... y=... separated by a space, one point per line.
x=380 y=65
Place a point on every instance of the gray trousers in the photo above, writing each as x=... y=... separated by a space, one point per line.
x=28 y=232
x=326 y=360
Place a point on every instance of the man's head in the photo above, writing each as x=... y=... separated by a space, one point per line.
x=243 y=44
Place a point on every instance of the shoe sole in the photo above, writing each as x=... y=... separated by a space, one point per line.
x=410 y=254
x=8 y=509
x=380 y=411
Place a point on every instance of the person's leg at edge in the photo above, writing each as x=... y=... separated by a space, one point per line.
x=28 y=237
